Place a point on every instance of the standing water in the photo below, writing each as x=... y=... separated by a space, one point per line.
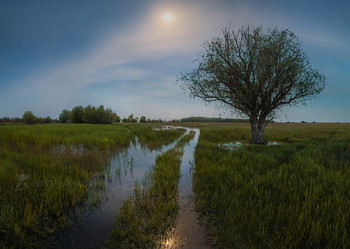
x=125 y=169
x=188 y=233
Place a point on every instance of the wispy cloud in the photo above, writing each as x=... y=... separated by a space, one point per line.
x=135 y=67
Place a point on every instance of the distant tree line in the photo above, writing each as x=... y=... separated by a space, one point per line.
x=142 y=119
x=79 y=114
x=89 y=114
x=29 y=118
x=205 y=119
x=100 y=115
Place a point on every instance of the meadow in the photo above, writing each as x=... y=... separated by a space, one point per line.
x=46 y=171
x=295 y=194
x=292 y=195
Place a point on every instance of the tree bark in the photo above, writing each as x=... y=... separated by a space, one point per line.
x=257 y=132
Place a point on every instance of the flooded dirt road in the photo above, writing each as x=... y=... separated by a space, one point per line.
x=127 y=167
x=189 y=232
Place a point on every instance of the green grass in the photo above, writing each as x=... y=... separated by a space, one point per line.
x=153 y=209
x=295 y=195
x=59 y=161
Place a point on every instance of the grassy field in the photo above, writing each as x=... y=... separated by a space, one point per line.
x=292 y=195
x=46 y=170
x=152 y=211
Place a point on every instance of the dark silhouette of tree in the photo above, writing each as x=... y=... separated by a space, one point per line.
x=143 y=119
x=29 y=117
x=65 y=116
x=89 y=114
x=131 y=119
x=77 y=114
x=116 y=118
x=254 y=73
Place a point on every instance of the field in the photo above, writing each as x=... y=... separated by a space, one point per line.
x=46 y=171
x=292 y=195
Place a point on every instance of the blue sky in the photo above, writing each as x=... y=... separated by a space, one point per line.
x=55 y=55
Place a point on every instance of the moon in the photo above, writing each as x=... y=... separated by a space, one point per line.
x=167 y=17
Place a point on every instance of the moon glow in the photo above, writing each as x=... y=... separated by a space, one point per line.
x=167 y=17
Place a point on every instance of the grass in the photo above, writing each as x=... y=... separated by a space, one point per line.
x=153 y=209
x=47 y=170
x=294 y=195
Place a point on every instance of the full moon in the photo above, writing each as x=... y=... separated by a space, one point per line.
x=167 y=16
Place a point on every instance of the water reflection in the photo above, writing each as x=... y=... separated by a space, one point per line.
x=187 y=233
x=125 y=168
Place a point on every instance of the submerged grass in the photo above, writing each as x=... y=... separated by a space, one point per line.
x=294 y=195
x=46 y=171
x=153 y=209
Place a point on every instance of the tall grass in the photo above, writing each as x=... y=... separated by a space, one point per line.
x=153 y=209
x=46 y=170
x=295 y=195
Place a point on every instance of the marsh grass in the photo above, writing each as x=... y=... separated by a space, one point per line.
x=46 y=171
x=294 y=195
x=146 y=216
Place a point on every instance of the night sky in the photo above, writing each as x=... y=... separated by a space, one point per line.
x=126 y=55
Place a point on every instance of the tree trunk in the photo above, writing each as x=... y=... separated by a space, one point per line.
x=257 y=132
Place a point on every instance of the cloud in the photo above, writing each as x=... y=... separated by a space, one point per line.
x=134 y=69
x=125 y=55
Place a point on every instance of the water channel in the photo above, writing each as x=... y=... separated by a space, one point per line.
x=126 y=167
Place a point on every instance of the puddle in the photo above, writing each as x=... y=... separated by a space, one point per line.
x=168 y=127
x=231 y=146
x=236 y=145
x=273 y=143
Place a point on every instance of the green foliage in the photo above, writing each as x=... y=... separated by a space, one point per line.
x=45 y=172
x=77 y=114
x=93 y=115
x=153 y=209
x=205 y=119
x=65 y=117
x=143 y=119
x=29 y=117
x=89 y=114
x=295 y=195
x=116 y=118
x=131 y=119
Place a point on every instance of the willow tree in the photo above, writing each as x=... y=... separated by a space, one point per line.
x=254 y=73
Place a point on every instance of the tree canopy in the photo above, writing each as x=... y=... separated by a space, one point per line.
x=89 y=114
x=28 y=117
x=254 y=73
